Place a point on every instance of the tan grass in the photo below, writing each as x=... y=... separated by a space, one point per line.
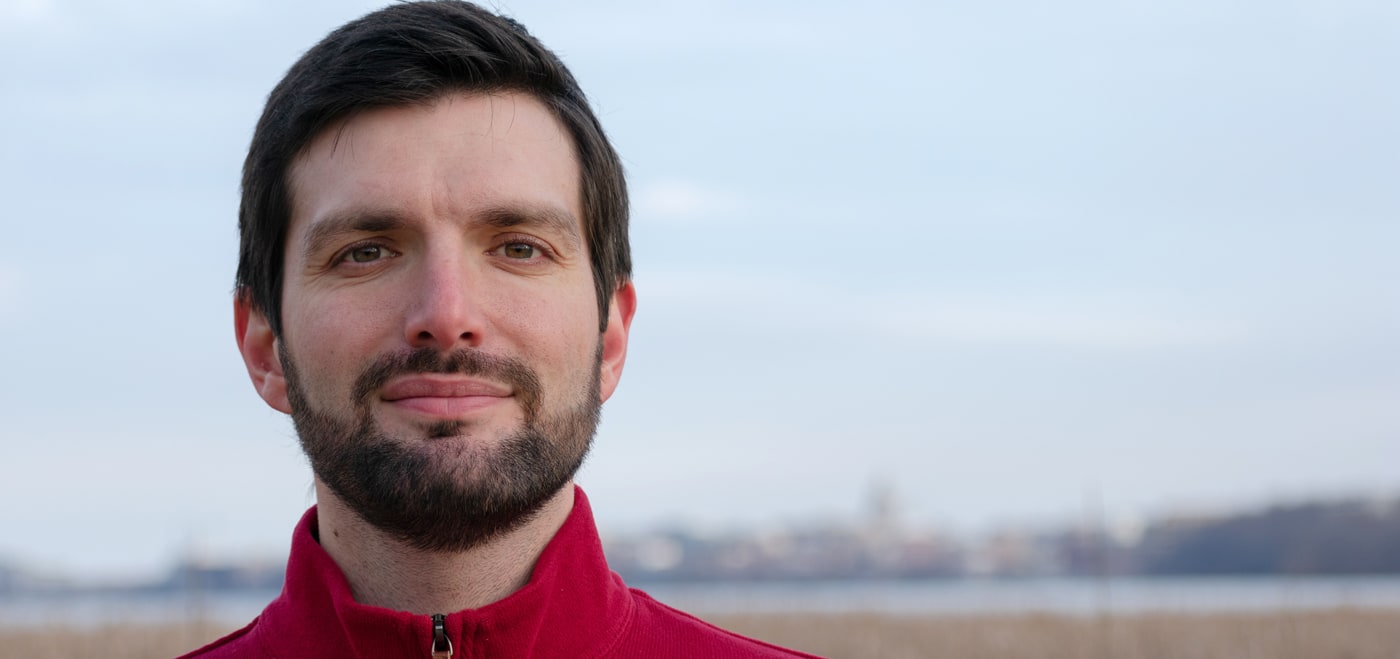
x=135 y=641
x=1332 y=634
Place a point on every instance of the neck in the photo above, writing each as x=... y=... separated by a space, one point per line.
x=385 y=572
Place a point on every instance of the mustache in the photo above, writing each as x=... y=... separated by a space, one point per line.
x=475 y=363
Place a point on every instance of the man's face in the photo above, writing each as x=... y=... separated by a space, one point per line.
x=440 y=352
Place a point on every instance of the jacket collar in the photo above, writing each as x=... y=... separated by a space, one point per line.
x=573 y=606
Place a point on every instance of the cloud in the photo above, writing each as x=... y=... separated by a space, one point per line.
x=15 y=13
x=679 y=27
x=783 y=304
x=718 y=287
x=682 y=201
x=1065 y=323
x=10 y=285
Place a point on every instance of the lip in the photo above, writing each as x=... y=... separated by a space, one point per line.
x=441 y=386
x=445 y=396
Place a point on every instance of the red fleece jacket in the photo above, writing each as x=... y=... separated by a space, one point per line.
x=573 y=606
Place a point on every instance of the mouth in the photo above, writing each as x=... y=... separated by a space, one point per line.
x=443 y=396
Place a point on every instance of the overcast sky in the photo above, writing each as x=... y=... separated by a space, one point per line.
x=1004 y=255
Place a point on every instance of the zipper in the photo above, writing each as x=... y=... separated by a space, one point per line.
x=442 y=645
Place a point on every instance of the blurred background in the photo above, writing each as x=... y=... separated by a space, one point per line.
x=1057 y=277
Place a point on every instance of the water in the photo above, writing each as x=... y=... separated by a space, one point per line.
x=1064 y=596
x=950 y=597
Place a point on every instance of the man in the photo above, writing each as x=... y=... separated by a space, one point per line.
x=434 y=282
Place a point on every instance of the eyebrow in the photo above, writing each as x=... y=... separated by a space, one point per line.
x=555 y=220
x=327 y=230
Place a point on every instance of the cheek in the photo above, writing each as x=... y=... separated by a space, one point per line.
x=557 y=335
x=328 y=346
x=557 y=319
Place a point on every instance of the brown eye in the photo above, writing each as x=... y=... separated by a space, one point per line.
x=519 y=250
x=366 y=253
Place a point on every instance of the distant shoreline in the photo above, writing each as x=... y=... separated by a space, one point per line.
x=1071 y=597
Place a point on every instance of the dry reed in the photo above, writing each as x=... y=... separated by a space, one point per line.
x=1330 y=634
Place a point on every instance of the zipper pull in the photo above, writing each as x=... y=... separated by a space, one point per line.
x=442 y=645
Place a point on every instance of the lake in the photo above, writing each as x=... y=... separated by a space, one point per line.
x=935 y=597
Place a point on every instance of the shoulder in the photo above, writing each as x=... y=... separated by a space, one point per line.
x=237 y=644
x=658 y=630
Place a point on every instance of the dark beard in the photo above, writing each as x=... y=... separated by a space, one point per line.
x=436 y=496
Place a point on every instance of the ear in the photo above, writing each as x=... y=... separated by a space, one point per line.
x=620 y=310
x=258 y=345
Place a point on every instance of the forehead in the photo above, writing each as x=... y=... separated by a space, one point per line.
x=452 y=158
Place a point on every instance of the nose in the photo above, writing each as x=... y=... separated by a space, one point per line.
x=445 y=313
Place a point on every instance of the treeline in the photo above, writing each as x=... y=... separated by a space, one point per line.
x=1338 y=538
x=1351 y=537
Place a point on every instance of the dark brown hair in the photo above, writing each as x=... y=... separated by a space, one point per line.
x=415 y=53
